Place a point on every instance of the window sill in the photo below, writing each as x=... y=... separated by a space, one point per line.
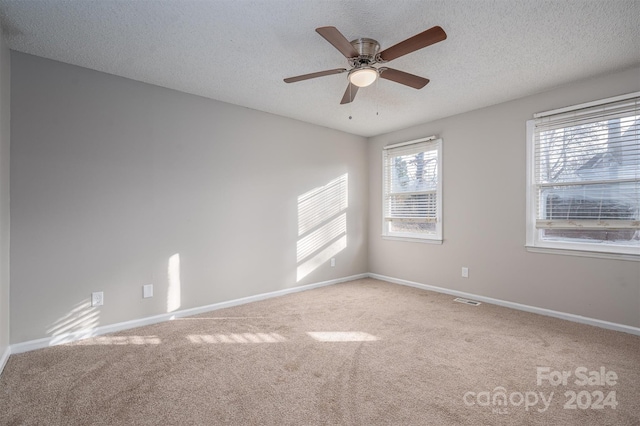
x=582 y=253
x=412 y=240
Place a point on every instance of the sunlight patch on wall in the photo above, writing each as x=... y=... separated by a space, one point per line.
x=322 y=236
x=322 y=224
x=312 y=264
x=342 y=336
x=236 y=338
x=322 y=203
x=173 y=293
x=78 y=323
x=119 y=340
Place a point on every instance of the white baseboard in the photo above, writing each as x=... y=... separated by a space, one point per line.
x=126 y=325
x=112 y=328
x=4 y=358
x=518 y=306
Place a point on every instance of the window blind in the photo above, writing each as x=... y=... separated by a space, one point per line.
x=410 y=185
x=587 y=171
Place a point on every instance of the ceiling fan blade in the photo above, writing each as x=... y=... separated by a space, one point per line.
x=418 y=41
x=349 y=94
x=314 y=75
x=402 y=77
x=335 y=37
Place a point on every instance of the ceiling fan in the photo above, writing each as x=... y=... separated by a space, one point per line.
x=363 y=53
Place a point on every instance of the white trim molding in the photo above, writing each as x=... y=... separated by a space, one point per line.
x=587 y=105
x=126 y=325
x=411 y=240
x=582 y=253
x=518 y=306
x=4 y=358
x=399 y=144
x=112 y=328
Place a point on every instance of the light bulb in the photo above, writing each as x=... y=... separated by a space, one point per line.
x=363 y=77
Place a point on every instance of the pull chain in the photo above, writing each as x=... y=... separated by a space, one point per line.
x=377 y=98
x=350 y=102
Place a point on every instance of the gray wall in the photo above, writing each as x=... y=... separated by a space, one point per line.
x=484 y=215
x=111 y=178
x=5 y=85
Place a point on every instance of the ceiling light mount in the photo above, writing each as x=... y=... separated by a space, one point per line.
x=367 y=48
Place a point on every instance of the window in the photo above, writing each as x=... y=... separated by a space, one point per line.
x=584 y=178
x=412 y=185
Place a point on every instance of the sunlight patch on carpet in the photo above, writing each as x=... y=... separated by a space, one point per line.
x=342 y=336
x=119 y=340
x=218 y=318
x=236 y=338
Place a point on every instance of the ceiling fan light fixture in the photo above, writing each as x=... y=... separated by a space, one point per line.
x=363 y=77
x=363 y=53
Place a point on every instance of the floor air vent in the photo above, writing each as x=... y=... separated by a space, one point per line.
x=466 y=301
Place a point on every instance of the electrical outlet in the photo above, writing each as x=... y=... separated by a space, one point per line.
x=465 y=272
x=333 y=262
x=97 y=298
x=147 y=291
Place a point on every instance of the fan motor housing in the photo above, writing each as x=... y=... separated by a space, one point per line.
x=367 y=49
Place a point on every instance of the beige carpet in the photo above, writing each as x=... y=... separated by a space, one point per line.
x=359 y=353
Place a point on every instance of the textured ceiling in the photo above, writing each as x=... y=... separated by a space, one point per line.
x=238 y=51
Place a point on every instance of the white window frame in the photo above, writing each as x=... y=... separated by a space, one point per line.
x=536 y=244
x=433 y=238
